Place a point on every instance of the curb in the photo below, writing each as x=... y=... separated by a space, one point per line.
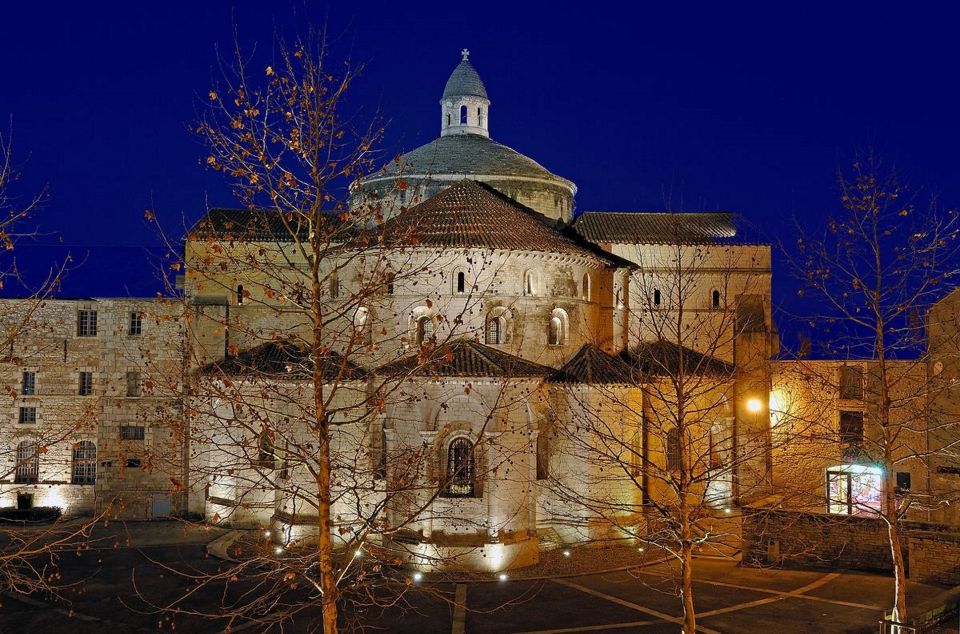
x=220 y=547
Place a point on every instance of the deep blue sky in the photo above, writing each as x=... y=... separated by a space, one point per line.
x=709 y=107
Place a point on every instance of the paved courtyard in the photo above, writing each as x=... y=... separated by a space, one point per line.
x=118 y=579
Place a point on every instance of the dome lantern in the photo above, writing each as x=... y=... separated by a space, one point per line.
x=464 y=107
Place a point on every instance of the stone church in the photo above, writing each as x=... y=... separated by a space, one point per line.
x=541 y=351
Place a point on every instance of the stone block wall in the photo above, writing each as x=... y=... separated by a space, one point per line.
x=934 y=557
x=779 y=538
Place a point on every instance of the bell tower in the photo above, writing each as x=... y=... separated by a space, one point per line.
x=464 y=106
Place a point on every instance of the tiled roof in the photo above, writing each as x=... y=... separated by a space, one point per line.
x=257 y=224
x=662 y=358
x=473 y=215
x=284 y=360
x=655 y=228
x=592 y=365
x=469 y=154
x=464 y=81
x=465 y=358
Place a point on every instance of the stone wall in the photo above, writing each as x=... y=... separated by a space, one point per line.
x=782 y=538
x=934 y=557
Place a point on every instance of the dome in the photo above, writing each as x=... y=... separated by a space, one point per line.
x=464 y=81
x=468 y=154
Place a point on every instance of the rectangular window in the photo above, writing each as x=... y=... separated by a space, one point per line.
x=131 y=432
x=28 y=415
x=87 y=323
x=903 y=481
x=133 y=384
x=86 y=383
x=851 y=382
x=136 y=324
x=851 y=429
x=29 y=385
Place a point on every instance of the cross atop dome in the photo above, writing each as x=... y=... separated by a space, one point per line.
x=464 y=105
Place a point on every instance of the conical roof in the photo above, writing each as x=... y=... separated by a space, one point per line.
x=591 y=365
x=469 y=214
x=464 y=81
x=465 y=358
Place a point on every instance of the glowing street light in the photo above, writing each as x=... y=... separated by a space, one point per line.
x=502 y=576
x=418 y=576
x=754 y=405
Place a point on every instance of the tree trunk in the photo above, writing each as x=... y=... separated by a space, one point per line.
x=896 y=549
x=328 y=583
x=686 y=583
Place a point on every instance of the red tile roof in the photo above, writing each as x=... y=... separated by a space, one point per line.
x=472 y=215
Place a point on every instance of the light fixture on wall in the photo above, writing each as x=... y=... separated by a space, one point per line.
x=754 y=405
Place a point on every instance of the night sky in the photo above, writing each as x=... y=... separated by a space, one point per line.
x=648 y=108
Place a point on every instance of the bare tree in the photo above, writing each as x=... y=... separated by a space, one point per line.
x=873 y=273
x=315 y=323
x=669 y=433
x=38 y=449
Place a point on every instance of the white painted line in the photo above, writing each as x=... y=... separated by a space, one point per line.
x=633 y=606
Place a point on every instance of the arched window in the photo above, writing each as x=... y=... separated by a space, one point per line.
x=389 y=283
x=84 y=463
x=480 y=116
x=448 y=118
x=463 y=115
x=715 y=299
x=530 y=283
x=673 y=449
x=424 y=329
x=495 y=330
x=656 y=297
x=716 y=455
x=460 y=468
x=557 y=333
x=28 y=462
x=334 y=286
x=586 y=286
x=266 y=457
x=239 y=294
x=556 y=328
x=461 y=283
x=360 y=319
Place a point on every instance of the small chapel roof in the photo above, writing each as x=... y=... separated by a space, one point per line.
x=590 y=364
x=469 y=214
x=655 y=227
x=663 y=358
x=464 y=80
x=465 y=358
x=286 y=360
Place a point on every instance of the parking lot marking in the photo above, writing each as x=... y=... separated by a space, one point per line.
x=628 y=604
x=793 y=594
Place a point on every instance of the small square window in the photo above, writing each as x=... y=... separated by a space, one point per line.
x=131 y=432
x=903 y=481
x=29 y=385
x=133 y=463
x=87 y=323
x=86 y=383
x=851 y=382
x=133 y=384
x=851 y=429
x=28 y=415
x=135 y=328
